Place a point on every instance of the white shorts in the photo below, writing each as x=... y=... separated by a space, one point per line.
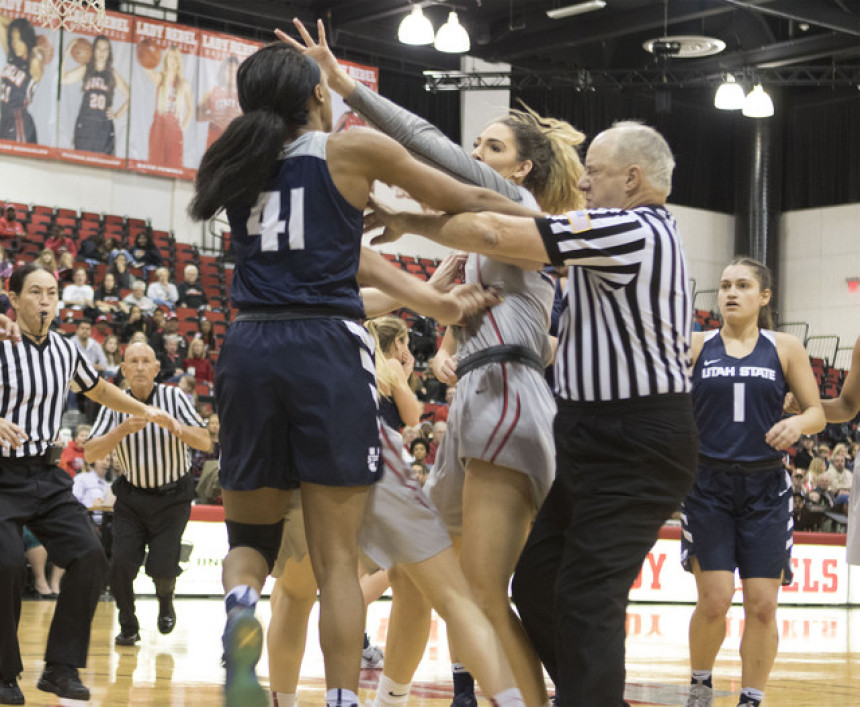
x=503 y=414
x=401 y=525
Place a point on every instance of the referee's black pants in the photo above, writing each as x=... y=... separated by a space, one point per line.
x=144 y=518
x=40 y=496
x=622 y=469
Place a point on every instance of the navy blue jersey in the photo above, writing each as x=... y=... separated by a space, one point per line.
x=16 y=82
x=299 y=246
x=389 y=413
x=737 y=400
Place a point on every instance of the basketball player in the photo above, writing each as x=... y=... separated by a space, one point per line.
x=172 y=98
x=25 y=65
x=94 y=128
x=294 y=197
x=221 y=103
x=739 y=511
x=496 y=463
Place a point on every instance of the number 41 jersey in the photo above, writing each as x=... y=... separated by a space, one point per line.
x=737 y=400
x=298 y=247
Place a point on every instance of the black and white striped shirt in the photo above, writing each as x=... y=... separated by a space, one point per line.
x=626 y=319
x=34 y=384
x=152 y=457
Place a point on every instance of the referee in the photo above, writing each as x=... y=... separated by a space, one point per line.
x=36 y=370
x=626 y=443
x=153 y=496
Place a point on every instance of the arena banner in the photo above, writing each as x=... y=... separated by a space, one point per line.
x=163 y=86
x=95 y=75
x=217 y=97
x=28 y=84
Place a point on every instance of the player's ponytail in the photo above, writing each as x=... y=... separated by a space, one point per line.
x=551 y=145
x=274 y=85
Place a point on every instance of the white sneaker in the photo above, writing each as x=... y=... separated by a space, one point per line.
x=700 y=695
x=371 y=658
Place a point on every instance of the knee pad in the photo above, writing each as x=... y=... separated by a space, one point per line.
x=265 y=539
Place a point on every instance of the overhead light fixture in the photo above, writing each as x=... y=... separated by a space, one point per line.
x=452 y=36
x=758 y=103
x=415 y=28
x=558 y=13
x=730 y=95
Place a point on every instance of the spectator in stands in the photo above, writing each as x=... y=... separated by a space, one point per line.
x=823 y=451
x=37 y=558
x=6 y=267
x=10 y=226
x=138 y=297
x=851 y=455
x=48 y=260
x=409 y=435
x=822 y=493
x=171 y=361
x=840 y=478
x=92 y=488
x=433 y=390
x=171 y=328
x=440 y=427
x=419 y=449
x=80 y=294
x=94 y=249
x=59 y=242
x=72 y=458
x=805 y=452
x=420 y=472
x=188 y=386
x=817 y=467
x=198 y=457
x=113 y=356
x=119 y=268
x=206 y=332
x=191 y=293
x=115 y=248
x=108 y=299
x=136 y=322
x=157 y=319
x=197 y=363
x=162 y=291
x=145 y=253
x=66 y=268
x=91 y=350
x=101 y=329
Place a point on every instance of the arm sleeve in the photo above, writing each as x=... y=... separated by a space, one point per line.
x=185 y=412
x=427 y=142
x=103 y=424
x=84 y=374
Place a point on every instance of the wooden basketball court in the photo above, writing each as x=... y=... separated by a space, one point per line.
x=818 y=664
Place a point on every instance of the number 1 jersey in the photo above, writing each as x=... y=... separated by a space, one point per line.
x=737 y=400
x=298 y=247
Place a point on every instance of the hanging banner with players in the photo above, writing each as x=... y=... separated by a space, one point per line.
x=163 y=86
x=95 y=95
x=342 y=116
x=28 y=81
x=217 y=97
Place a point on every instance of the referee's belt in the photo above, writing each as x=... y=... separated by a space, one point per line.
x=165 y=490
x=506 y=353
x=726 y=465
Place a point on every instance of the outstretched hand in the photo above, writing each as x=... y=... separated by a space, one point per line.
x=317 y=50
x=381 y=216
x=474 y=300
x=163 y=419
x=448 y=272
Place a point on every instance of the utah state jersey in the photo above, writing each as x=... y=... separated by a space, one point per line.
x=737 y=400
x=299 y=246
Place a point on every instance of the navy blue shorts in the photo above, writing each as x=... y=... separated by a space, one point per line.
x=297 y=402
x=739 y=519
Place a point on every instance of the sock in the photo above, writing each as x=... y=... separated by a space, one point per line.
x=512 y=697
x=390 y=693
x=464 y=683
x=283 y=699
x=241 y=596
x=366 y=640
x=340 y=698
x=702 y=676
x=751 y=696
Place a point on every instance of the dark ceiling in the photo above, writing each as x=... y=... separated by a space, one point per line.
x=797 y=42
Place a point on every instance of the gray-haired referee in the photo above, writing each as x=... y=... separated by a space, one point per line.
x=626 y=442
x=36 y=370
x=154 y=494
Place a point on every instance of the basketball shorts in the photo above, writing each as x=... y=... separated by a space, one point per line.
x=502 y=414
x=739 y=519
x=16 y=125
x=298 y=402
x=95 y=135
